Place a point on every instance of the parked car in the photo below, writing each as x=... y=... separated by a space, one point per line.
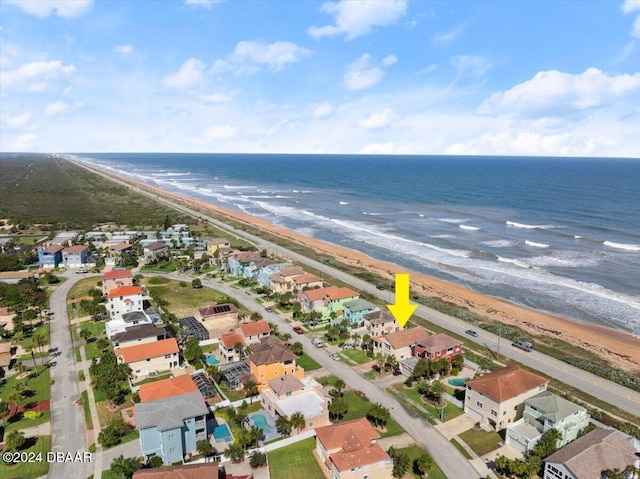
x=522 y=344
x=380 y=287
x=268 y=310
x=334 y=356
x=318 y=343
x=471 y=332
x=298 y=330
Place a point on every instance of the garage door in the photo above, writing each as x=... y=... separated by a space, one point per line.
x=474 y=414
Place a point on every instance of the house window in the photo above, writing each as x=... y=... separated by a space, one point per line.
x=171 y=437
x=494 y=413
x=167 y=356
x=172 y=450
x=479 y=404
x=148 y=360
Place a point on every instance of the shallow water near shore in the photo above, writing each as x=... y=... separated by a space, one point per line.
x=558 y=235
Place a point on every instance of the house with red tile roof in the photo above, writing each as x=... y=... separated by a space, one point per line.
x=437 y=346
x=497 y=399
x=308 y=281
x=116 y=278
x=150 y=358
x=228 y=342
x=166 y=388
x=205 y=470
x=125 y=299
x=401 y=343
x=349 y=450
x=254 y=331
x=326 y=300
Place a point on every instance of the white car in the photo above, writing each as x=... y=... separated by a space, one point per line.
x=334 y=356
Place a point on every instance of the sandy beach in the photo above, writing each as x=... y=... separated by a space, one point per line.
x=618 y=347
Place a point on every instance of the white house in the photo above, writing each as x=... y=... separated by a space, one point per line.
x=124 y=300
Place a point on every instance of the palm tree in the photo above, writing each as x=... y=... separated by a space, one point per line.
x=235 y=452
x=424 y=463
x=4 y=411
x=255 y=433
x=380 y=360
x=298 y=421
x=339 y=385
x=250 y=389
x=284 y=425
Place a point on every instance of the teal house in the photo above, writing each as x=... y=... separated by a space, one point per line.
x=355 y=310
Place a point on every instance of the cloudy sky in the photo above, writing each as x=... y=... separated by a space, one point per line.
x=391 y=76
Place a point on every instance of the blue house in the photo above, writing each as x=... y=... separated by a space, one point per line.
x=171 y=426
x=355 y=310
x=236 y=262
x=266 y=271
x=51 y=256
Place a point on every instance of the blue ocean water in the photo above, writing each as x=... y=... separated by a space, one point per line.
x=556 y=234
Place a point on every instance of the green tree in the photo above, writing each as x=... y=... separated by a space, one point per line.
x=125 y=468
x=441 y=366
x=298 y=421
x=401 y=464
x=391 y=363
x=423 y=464
x=548 y=443
x=255 y=433
x=378 y=415
x=380 y=360
x=192 y=350
x=196 y=283
x=4 y=411
x=154 y=462
x=338 y=407
x=85 y=334
x=422 y=369
x=339 y=385
x=235 y=452
x=284 y=425
x=204 y=447
x=15 y=440
x=457 y=361
x=258 y=459
x=250 y=388
x=297 y=348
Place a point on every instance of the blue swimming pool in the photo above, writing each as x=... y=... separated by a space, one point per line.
x=458 y=381
x=212 y=360
x=261 y=421
x=221 y=433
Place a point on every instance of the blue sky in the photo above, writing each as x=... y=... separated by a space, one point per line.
x=391 y=76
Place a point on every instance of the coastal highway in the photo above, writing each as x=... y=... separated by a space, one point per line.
x=605 y=390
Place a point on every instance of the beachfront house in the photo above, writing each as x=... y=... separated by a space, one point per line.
x=379 y=323
x=543 y=412
x=399 y=344
x=355 y=311
x=236 y=262
x=306 y=281
x=269 y=270
x=50 y=257
x=349 y=451
x=497 y=399
x=336 y=298
x=124 y=300
x=116 y=278
x=282 y=281
x=214 y=244
x=171 y=426
x=272 y=360
x=326 y=300
x=438 y=346
x=148 y=359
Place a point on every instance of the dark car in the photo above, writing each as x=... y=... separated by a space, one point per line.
x=380 y=287
x=268 y=310
x=298 y=329
x=471 y=332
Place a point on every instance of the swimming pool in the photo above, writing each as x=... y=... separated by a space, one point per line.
x=458 y=381
x=212 y=360
x=221 y=433
x=260 y=421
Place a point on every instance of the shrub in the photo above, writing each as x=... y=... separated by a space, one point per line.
x=32 y=414
x=258 y=459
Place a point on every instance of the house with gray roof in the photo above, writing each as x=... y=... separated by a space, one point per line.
x=171 y=426
x=355 y=311
x=543 y=412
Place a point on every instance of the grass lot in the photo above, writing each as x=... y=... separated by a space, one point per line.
x=234 y=395
x=327 y=380
x=86 y=410
x=29 y=240
x=97 y=329
x=153 y=379
x=450 y=411
x=29 y=470
x=480 y=441
x=414 y=452
x=39 y=384
x=30 y=331
x=459 y=447
x=82 y=288
x=295 y=460
x=358 y=407
x=307 y=363
x=357 y=355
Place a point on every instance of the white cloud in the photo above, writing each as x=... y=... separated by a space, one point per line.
x=45 y=8
x=635 y=32
x=632 y=6
x=445 y=38
x=202 y=3
x=124 y=49
x=249 y=55
x=362 y=73
x=355 y=19
x=389 y=60
x=322 y=111
x=56 y=109
x=16 y=121
x=553 y=90
x=189 y=75
x=218 y=98
x=24 y=143
x=471 y=65
x=36 y=71
x=216 y=133
x=379 y=120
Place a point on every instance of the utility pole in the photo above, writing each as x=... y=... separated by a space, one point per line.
x=499 y=336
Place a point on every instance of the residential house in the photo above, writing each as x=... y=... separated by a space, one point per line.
x=214 y=244
x=282 y=281
x=335 y=299
x=227 y=347
x=122 y=322
x=265 y=273
x=202 y=470
x=14 y=277
x=76 y=256
x=379 y=323
x=155 y=250
x=219 y=318
x=349 y=450
x=115 y=251
x=50 y=257
x=287 y=395
x=437 y=346
x=326 y=300
x=178 y=236
x=497 y=399
x=255 y=331
x=124 y=300
x=170 y=427
x=271 y=360
x=116 y=278
x=252 y=270
x=235 y=374
x=588 y=456
x=236 y=262
x=148 y=359
x=139 y=333
x=543 y=412
x=65 y=237
x=5 y=357
x=306 y=281
x=166 y=388
x=399 y=344
x=355 y=311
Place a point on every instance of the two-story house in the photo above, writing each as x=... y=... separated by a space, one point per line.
x=379 y=323
x=236 y=262
x=50 y=257
x=166 y=388
x=116 y=278
x=150 y=358
x=214 y=244
x=115 y=251
x=76 y=256
x=437 y=346
x=355 y=311
x=543 y=412
x=306 y=281
x=124 y=300
x=401 y=343
x=336 y=298
x=349 y=451
x=170 y=427
x=272 y=360
x=326 y=300
x=123 y=322
x=254 y=331
x=230 y=346
x=497 y=398
x=282 y=281
x=138 y=334
x=155 y=250
x=219 y=318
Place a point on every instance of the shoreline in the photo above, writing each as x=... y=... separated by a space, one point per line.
x=620 y=348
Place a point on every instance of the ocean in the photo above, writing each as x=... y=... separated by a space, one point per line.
x=556 y=234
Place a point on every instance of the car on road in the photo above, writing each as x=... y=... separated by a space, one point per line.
x=298 y=330
x=471 y=332
x=380 y=287
x=522 y=344
x=318 y=343
x=82 y=271
x=334 y=356
x=268 y=310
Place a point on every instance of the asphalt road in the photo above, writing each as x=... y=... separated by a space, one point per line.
x=67 y=418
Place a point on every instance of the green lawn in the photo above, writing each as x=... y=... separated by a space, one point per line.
x=450 y=411
x=481 y=441
x=307 y=363
x=86 y=410
x=459 y=447
x=357 y=355
x=414 y=452
x=232 y=395
x=295 y=460
x=327 y=380
x=358 y=407
x=39 y=384
x=41 y=329
x=153 y=379
x=29 y=470
x=26 y=422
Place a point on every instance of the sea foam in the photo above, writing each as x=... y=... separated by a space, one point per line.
x=536 y=245
x=626 y=247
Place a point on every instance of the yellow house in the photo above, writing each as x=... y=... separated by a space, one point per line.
x=272 y=360
x=214 y=244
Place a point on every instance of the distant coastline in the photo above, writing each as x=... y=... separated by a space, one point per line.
x=620 y=348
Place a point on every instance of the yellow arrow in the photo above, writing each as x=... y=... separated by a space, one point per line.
x=402 y=310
